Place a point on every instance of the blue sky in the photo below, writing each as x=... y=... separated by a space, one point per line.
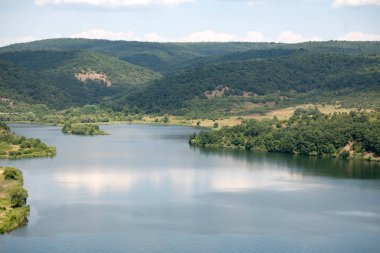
x=190 y=20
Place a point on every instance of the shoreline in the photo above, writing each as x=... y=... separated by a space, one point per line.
x=13 y=214
x=112 y=123
x=353 y=157
x=356 y=156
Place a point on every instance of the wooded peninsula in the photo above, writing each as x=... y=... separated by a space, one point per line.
x=13 y=146
x=307 y=132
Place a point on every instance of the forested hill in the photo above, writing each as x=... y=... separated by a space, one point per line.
x=161 y=57
x=297 y=72
x=64 y=78
x=169 y=57
x=164 y=77
x=21 y=84
x=71 y=62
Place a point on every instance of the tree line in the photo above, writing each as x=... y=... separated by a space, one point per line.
x=307 y=132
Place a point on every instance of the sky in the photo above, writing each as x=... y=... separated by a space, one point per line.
x=288 y=21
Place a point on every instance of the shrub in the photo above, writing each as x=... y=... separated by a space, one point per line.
x=18 y=197
x=165 y=119
x=344 y=154
x=11 y=173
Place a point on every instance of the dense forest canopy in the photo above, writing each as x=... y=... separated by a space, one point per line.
x=307 y=132
x=175 y=77
x=299 y=72
x=53 y=77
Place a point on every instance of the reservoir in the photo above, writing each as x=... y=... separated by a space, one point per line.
x=144 y=189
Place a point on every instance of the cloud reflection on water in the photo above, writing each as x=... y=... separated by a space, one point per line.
x=181 y=182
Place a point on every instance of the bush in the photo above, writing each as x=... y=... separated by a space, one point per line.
x=11 y=173
x=344 y=154
x=4 y=126
x=18 y=197
x=165 y=119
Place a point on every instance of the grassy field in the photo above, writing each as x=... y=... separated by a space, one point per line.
x=286 y=113
x=186 y=120
x=281 y=114
x=8 y=151
x=11 y=217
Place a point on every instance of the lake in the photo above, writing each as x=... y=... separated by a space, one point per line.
x=144 y=189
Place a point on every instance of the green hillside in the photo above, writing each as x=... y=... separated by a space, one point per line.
x=70 y=62
x=169 y=57
x=184 y=77
x=21 y=84
x=161 y=57
x=300 y=73
x=38 y=60
x=59 y=78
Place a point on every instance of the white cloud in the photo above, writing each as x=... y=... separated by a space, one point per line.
x=359 y=36
x=106 y=35
x=110 y=35
x=255 y=36
x=340 y=3
x=113 y=4
x=292 y=37
x=207 y=36
x=204 y=36
x=8 y=41
x=154 y=37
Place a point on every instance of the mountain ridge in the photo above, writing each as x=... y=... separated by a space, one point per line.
x=166 y=77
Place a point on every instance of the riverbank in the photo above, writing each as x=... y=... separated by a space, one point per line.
x=308 y=132
x=13 y=209
x=78 y=116
x=13 y=146
x=369 y=157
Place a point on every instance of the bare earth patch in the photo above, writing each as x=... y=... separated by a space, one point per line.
x=217 y=92
x=246 y=107
x=91 y=75
x=6 y=101
x=371 y=156
x=348 y=147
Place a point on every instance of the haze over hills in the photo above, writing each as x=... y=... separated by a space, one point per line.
x=167 y=77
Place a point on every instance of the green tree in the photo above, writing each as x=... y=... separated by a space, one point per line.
x=18 y=197
x=11 y=173
x=165 y=119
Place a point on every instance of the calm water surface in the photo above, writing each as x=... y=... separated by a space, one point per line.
x=143 y=189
